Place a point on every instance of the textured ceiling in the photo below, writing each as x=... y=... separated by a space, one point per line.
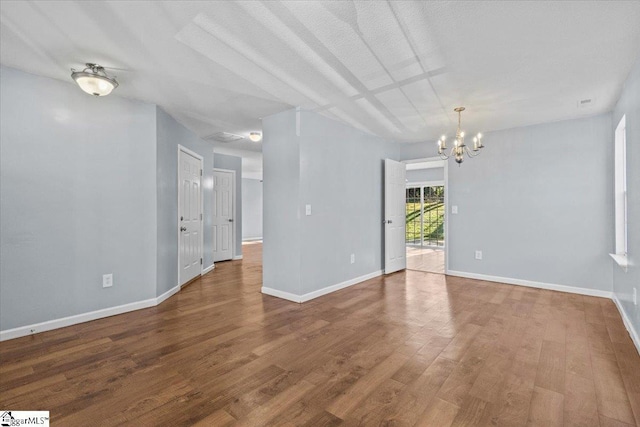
x=395 y=69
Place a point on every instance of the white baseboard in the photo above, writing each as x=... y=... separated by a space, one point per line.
x=208 y=269
x=78 y=318
x=281 y=294
x=532 y=284
x=237 y=257
x=320 y=292
x=49 y=325
x=168 y=294
x=627 y=324
x=252 y=239
x=112 y=311
x=333 y=288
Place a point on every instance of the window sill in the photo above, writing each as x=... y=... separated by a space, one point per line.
x=621 y=260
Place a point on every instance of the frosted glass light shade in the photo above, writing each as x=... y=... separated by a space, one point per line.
x=95 y=85
x=94 y=80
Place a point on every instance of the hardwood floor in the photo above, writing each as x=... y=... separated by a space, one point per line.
x=425 y=259
x=408 y=349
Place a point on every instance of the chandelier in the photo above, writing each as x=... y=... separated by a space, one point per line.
x=459 y=149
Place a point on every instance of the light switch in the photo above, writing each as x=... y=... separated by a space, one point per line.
x=454 y=209
x=308 y=210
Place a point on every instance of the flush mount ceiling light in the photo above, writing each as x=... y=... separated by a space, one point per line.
x=459 y=149
x=94 y=80
x=255 y=136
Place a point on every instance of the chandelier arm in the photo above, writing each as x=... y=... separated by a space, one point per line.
x=470 y=153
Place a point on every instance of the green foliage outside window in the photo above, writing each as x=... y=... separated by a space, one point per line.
x=432 y=216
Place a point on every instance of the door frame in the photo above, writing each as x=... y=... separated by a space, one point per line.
x=445 y=165
x=201 y=159
x=233 y=208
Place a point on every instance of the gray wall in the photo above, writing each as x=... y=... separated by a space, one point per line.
x=170 y=134
x=425 y=175
x=623 y=283
x=78 y=200
x=336 y=169
x=251 y=208
x=281 y=217
x=234 y=163
x=416 y=150
x=538 y=203
x=341 y=176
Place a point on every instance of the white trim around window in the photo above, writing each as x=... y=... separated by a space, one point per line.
x=620 y=194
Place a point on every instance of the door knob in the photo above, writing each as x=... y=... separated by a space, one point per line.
x=183 y=228
x=230 y=220
x=389 y=221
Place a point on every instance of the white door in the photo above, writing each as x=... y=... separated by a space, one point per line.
x=394 y=216
x=189 y=216
x=223 y=188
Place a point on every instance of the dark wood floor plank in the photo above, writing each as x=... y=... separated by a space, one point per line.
x=551 y=367
x=546 y=409
x=580 y=403
x=413 y=400
x=353 y=396
x=439 y=413
x=613 y=400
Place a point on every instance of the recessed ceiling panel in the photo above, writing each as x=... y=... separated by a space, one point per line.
x=402 y=109
x=335 y=25
x=387 y=40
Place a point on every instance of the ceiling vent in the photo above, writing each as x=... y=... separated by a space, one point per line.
x=225 y=137
x=584 y=103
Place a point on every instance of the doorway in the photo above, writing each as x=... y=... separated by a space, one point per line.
x=426 y=215
x=224 y=201
x=189 y=215
x=424 y=237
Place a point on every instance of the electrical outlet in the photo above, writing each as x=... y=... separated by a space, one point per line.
x=308 y=209
x=635 y=296
x=478 y=254
x=353 y=258
x=454 y=209
x=107 y=280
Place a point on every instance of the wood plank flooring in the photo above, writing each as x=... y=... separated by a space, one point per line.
x=407 y=349
x=425 y=259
